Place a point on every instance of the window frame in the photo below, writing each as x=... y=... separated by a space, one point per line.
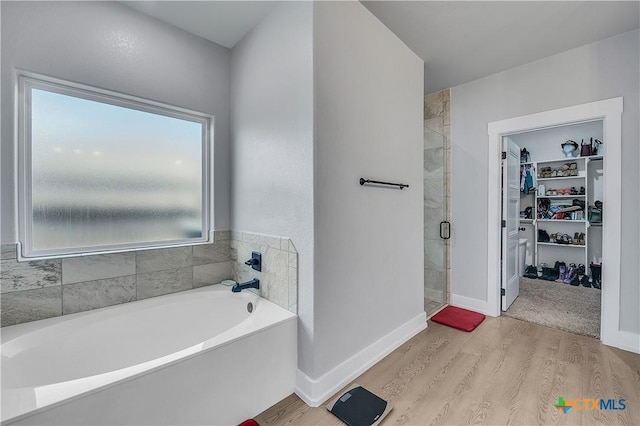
x=24 y=83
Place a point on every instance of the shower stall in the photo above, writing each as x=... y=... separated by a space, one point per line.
x=437 y=200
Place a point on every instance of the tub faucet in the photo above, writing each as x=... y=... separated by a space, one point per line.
x=254 y=283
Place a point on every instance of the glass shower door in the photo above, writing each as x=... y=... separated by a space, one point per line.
x=436 y=201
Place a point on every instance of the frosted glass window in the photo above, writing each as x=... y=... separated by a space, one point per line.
x=103 y=172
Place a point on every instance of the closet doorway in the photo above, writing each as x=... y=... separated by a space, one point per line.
x=559 y=186
x=607 y=116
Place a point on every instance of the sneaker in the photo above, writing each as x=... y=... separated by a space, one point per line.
x=531 y=272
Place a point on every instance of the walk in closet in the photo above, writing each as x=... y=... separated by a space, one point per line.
x=558 y=184
x=561 y=209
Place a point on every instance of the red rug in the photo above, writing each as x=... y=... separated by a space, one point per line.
x=459 y=318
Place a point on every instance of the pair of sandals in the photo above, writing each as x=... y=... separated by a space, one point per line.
x=574 y=191
x=560 y=238
x=566 y=191
x=578 y=239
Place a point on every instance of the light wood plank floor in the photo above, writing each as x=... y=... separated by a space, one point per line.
x=505 y=372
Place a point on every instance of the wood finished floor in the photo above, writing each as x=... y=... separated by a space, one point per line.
x=506 y=372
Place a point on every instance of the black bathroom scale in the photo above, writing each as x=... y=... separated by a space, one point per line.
x=359 y=407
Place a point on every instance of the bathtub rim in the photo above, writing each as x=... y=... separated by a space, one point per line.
x=34 y=325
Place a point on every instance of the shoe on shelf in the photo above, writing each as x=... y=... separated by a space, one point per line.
x=581 y=239
x=573 y=191
x=582 y=191
x=576 y=238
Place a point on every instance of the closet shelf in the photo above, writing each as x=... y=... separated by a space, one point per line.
x=570 y=159
x=561 y=196
x=562 y=177
x=563 y=245
x=562 y=220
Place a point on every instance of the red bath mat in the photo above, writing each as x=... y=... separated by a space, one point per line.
x=459 y=318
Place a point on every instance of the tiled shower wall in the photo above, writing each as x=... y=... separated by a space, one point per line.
x=437 y=197
x=47 y=288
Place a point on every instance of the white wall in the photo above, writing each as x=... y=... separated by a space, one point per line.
x=335 y=70
x=368 y=241
x=597 y=71
x=272 y=134
x=108 y=45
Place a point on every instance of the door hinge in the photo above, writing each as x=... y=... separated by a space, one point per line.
x=502 y=292
x=504 y=223
x=504 y=155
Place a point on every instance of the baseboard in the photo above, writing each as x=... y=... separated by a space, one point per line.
x=476 y=305
x=316 y=391
x=628 y=341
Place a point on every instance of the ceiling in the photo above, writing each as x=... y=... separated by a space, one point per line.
x=460 y=41
x=223 y=22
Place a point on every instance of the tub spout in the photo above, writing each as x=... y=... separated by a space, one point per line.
x=254 y=283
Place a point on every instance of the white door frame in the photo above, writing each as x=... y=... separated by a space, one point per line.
x=610 y=111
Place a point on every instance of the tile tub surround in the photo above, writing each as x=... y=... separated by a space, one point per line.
x=279 y=275
x=46 y=288
x=437 y=197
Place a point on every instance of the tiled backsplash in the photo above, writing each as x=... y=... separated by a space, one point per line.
x=47 y=288
x=279 y=275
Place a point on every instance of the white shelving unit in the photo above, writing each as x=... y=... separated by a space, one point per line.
x=545 y=148
x=548 y=252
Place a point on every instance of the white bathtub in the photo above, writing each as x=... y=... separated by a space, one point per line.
x=196 y=357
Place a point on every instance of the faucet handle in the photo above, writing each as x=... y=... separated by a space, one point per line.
x=255 y=262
